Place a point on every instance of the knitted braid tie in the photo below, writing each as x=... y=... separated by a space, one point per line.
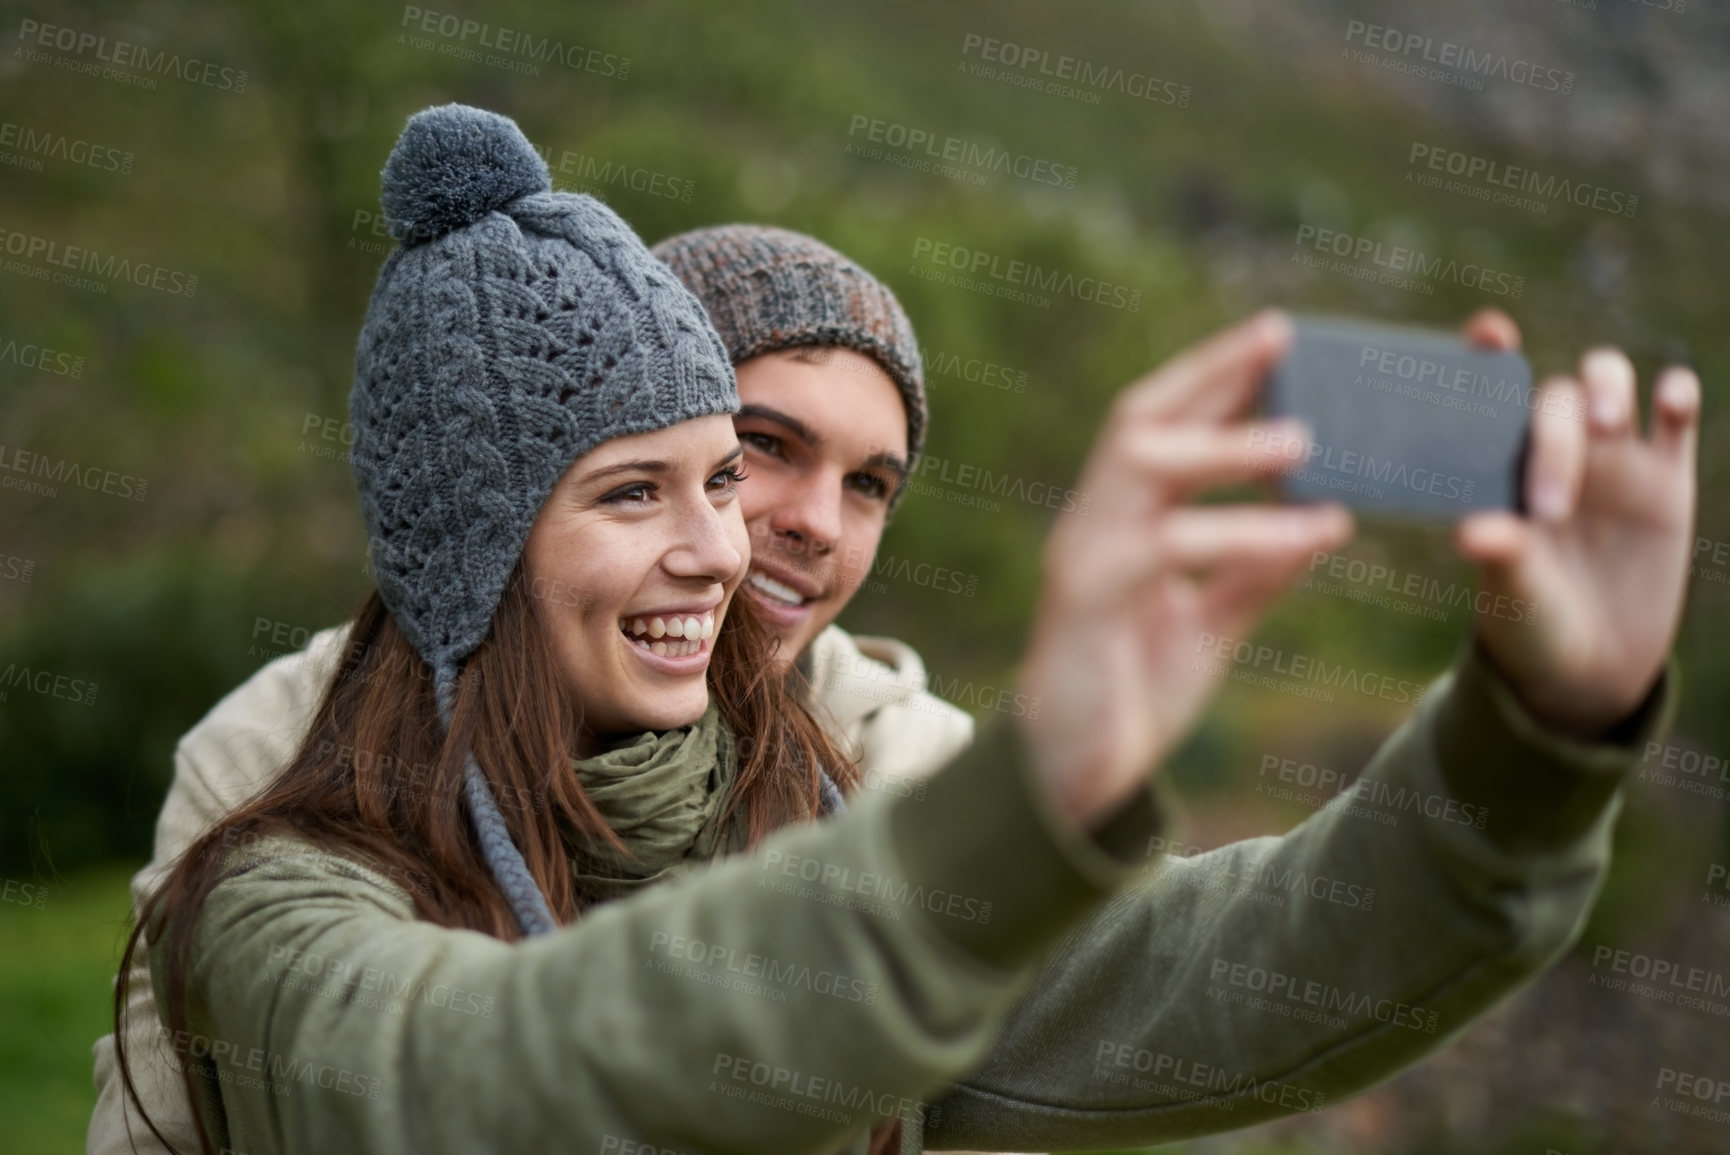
x=509 y=868
x=830 y=794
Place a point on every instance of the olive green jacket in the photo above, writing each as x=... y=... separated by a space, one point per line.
x=956 y=956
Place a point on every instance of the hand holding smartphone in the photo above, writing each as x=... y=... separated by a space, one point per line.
x=1410 y=423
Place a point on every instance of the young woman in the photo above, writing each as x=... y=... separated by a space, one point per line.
x=544 y=466
x=547 y=468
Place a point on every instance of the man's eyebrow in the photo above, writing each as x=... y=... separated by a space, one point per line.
x=793 y=425
x=887 y=460
x=879 y=460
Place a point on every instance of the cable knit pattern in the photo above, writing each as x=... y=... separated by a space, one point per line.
x=768 y=289
x=514 y=330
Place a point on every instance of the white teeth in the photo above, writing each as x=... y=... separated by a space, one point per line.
x=690 y=632
x=781 y=593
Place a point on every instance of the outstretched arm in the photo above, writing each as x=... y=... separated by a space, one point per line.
x=1276 y=975
x=1231 y=998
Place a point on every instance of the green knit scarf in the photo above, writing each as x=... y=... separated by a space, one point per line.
x=662 y=793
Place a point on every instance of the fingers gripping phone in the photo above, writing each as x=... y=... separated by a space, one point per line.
x=1411 y=423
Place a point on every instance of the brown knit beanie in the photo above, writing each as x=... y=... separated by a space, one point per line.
x=767 y=289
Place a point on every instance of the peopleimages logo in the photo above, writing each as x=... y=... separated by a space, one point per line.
x=926 y=149
x=84 y=260
x=33 y=145
x=342 y=979
x=1355 y=471
x=1082 y=80
x=47 y=684
x=511 y=48
x=28 y=464
x=1459 y=64
x=34 y=36
x=269 y=1069
x=1363 y=797
x=1422 y=379
x=1389 y=264
x=595 y=176
x=1199 y=1080
x=1502 y=176
x=1326 y=997
x=750 y=966
x=962 y=475
x=1302 y=667
x=976 y=370
x=1018 y=280
x=1717 y=879
x=1367 y=582
x=1660 y=979
x=29 y=355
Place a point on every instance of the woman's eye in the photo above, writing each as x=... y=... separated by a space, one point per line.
x=728 y=479
x=763 y=443
x=633 y=494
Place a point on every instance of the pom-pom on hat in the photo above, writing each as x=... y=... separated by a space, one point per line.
x=512 y=331
x=454 y=165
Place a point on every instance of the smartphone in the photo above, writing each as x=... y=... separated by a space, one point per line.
x=1412 y=423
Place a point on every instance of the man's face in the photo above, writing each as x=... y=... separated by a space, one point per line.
x=825 y=439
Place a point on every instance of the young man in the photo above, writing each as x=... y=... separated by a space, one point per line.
x=1216 y=994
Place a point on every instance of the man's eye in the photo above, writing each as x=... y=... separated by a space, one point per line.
x=763 y=442
x=871 y=484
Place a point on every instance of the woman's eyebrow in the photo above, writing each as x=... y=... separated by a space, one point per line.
x=627 y=467
x=649 y=465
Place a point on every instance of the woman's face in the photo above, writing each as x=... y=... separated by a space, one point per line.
x=632 y=562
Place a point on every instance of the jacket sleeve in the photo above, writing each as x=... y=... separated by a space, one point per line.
x=245 y=740
x=1275 y=975
x=781 y=1000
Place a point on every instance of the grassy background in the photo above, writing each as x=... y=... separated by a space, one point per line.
x=57 y=968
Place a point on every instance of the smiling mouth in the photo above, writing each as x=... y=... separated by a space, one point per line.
x=670 y=636
x=774 y=591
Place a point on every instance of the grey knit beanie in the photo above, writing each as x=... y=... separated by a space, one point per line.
x=768 y=289
x=512 y=331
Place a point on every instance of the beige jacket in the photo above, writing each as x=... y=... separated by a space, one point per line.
x=873 y=690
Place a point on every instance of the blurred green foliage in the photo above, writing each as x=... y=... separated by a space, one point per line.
x=230 y=403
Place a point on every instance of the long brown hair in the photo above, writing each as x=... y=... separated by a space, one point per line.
x=378 y=778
